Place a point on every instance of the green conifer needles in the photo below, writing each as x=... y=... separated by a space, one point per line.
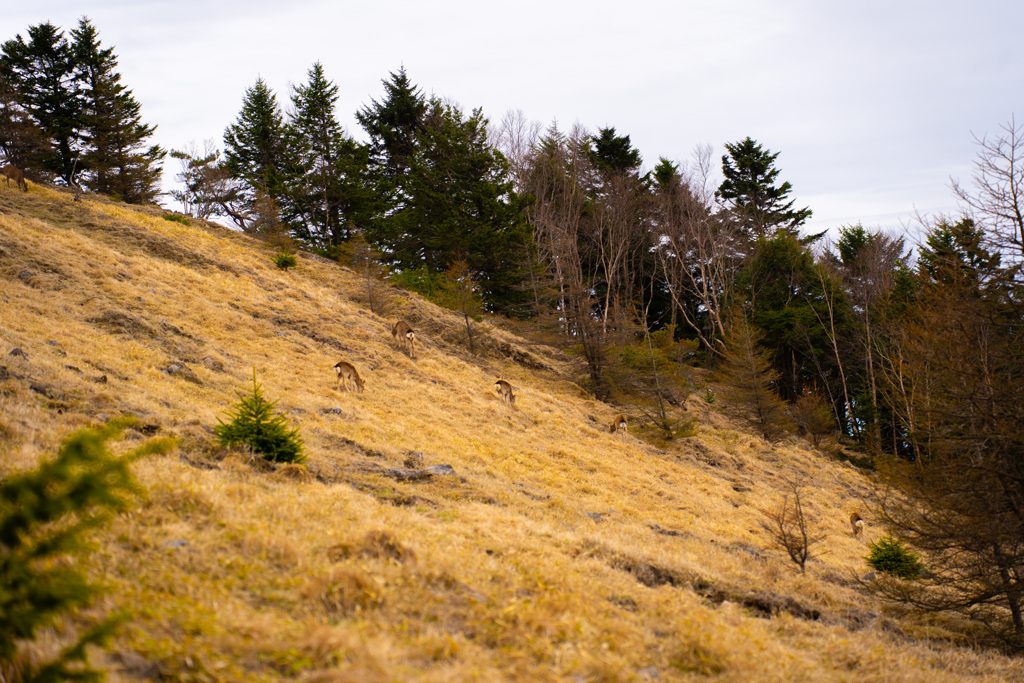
x=44 y=515
x=253 y=423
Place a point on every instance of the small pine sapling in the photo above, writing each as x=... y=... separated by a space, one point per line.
x=253 y=423
x=889 y=556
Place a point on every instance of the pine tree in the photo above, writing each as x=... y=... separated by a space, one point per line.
x=750 y=194
x=749 y=378
x=326 y=191
x=253 y=423
x=116 y=160
x=41 y=71
x=254 y=148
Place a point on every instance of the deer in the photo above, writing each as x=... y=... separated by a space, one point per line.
x=504 y=390
x=348 y=375
x=403 y=332
x=618 y=424
x=15 y=174
x=857 y=522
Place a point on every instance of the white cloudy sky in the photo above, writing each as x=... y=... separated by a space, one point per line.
x=871 y=104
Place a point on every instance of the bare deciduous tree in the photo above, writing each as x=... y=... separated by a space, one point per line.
x=788 y=526
x=997 y=195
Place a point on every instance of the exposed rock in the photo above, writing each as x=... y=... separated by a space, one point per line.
x=17 y=353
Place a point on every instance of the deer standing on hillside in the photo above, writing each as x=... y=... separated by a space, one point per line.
x=16 y=175
x=403 y=332
x=618 y=424
x=857 y=522
x=347 y=373
x=504 y=390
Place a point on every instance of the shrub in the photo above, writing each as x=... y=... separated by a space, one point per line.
x=44 y=515
x=176 y=218
x=253 y=423
x=890 y=557
x=284 y=260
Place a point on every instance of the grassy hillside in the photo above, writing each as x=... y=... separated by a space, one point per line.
x=556 y=551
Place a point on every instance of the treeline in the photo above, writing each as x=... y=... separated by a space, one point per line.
x=66 y=117
x=643 y=272
x=919 y=361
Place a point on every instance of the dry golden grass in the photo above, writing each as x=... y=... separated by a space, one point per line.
x=557 y=551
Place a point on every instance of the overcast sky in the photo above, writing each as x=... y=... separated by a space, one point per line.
x=871 y=104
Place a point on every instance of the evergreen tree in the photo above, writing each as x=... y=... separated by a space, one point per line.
x=116 y=160
x=254 y=423
x=325 y=188
x=750 y=380
x=613 y=153
x=394 y=125
x=446 y=193
x=750 y=193
x=42 y=71
x=254 y=149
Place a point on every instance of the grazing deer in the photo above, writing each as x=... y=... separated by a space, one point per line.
x=16 y=175
x=347 y=373
x=404 y=333
x=857 y=522
x=618 y=424
x=504 y=390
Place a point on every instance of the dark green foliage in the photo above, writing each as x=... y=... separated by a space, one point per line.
x=254 y=147
x=41 y=71
x=253 y=423
x=116 y=160
x=90 y=123
x=749 y=191
x=446 y=193
x=785 y=296
x=613 y=153
x=45 y=514
x=284 y=260
x=175 y=218
x=326 y=191
x=890 y=557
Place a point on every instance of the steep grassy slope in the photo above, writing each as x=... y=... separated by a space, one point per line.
x=555 y=552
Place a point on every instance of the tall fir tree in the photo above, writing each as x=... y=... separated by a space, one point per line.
x=446 y=193
x=751 y=195
x=116 y=160
x=41 y=70
x=254 y=148
x=325 y=192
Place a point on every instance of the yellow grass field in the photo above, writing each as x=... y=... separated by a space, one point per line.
x=557 y=551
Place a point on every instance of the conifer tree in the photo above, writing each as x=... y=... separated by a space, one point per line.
x=41 y=71
x=254 y=148
x=116 y=160
x=749 y=378
x=44 y=515
x=750 y=193
x=254 y=423
x=325 y=192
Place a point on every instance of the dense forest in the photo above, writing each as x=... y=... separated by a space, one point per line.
x=643 y=271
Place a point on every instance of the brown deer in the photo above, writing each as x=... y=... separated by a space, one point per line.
x=618 y=424
x=857 y=522
x=347 y=373
x=403 y=332
x=504 y=390
x=16 y=175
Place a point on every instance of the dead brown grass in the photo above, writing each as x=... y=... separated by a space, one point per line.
x=555 y=552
